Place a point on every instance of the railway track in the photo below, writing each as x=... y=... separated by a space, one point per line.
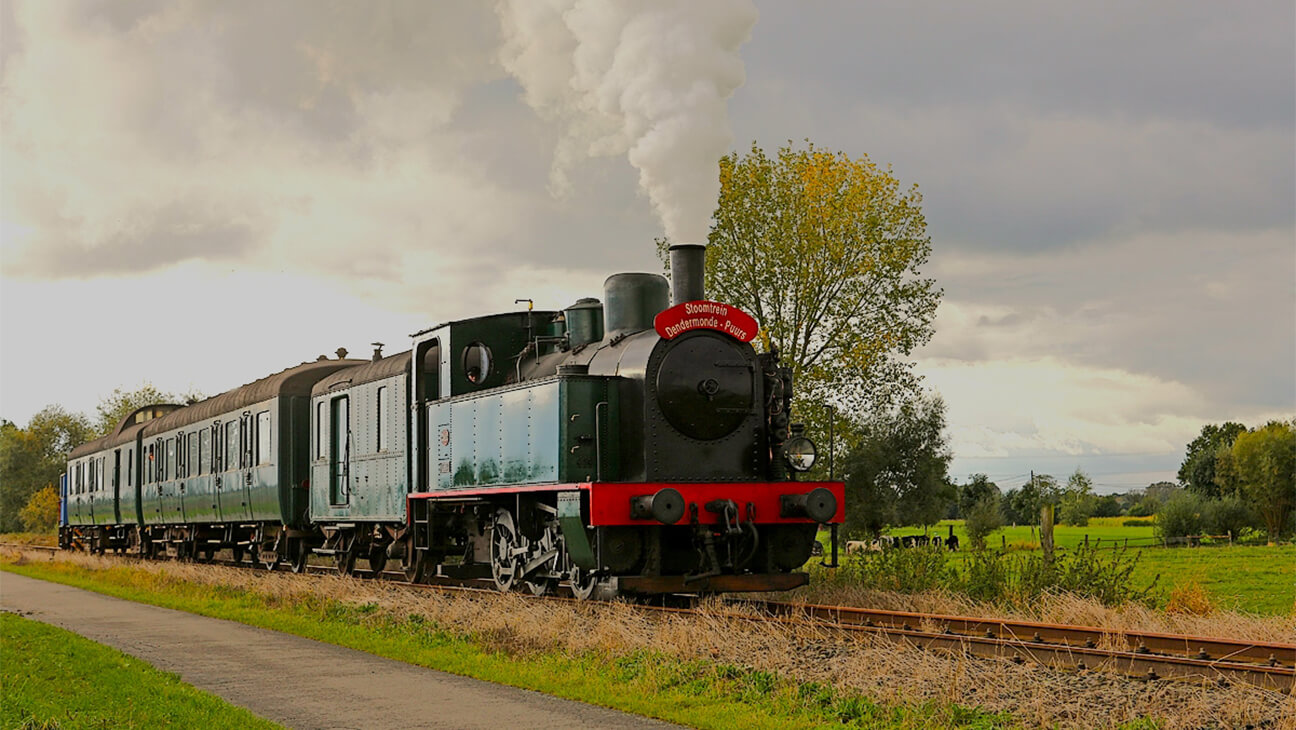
x=1139 y=654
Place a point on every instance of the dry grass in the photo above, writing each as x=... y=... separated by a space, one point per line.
x=1190 y=598
x=1064 y=609
x=864 y=663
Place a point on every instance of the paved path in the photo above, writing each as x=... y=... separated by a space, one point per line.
x=298 y=682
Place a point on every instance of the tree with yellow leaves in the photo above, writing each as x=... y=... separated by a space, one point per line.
x=826 y=250
x=41 y=512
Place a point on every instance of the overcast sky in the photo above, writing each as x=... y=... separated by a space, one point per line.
x=197 y=194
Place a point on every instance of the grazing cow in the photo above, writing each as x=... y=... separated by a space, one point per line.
x=856 y=546
x=952 y=542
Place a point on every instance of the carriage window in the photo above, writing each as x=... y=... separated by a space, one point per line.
x=169 y=466
x=476 y=362
x=321 y=426
x=263 y=438
x=231 y=445
x=130 y=467
x=102 y=472
x=383 y=419
x=192 y=465
x=148 y=457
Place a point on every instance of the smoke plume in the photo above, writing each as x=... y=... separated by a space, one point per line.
x=649 y=79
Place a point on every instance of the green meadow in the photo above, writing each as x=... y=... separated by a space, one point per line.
x=55 y=679
x=1257 y=579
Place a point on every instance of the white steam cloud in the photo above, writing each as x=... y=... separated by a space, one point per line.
x=648 y=78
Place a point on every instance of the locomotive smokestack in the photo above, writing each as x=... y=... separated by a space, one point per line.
x=688 y=266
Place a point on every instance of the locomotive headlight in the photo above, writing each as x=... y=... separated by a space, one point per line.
x=800 y=453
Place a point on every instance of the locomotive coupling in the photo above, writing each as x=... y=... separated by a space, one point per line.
x=819 y=504
x=666 y=506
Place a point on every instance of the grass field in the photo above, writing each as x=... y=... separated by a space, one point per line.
x=55 y=679
x=1252 y=578
x=1257 y=579
x=1107 y=529
x=696 y=693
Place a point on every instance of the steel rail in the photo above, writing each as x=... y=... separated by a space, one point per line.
x=1137 y=642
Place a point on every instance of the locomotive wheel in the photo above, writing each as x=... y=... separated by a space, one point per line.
x=540 y=586
x=414 y=567
x=583 y=583
x=377 y=559
x=504 y=564
x=236 y=552
x=208 y=554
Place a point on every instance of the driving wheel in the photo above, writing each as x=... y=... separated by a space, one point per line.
x=504 y=541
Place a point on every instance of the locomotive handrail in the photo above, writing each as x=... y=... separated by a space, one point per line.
x=598 y=441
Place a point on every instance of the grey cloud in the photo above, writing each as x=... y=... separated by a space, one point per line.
x=1032 y=126
x=1225 y=63
x=149 y=239
x=1214 y=311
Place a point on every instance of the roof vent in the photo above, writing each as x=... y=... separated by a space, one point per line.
x=378 y=346
x=341 y=353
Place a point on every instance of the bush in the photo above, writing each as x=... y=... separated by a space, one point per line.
x=907 y=570
x=1021 y=578
x=42 y=511
x=982 y=519
x=1108 y=506
x=1180 y=516
x=1138 y=523
x=1229 y=515
x=1146 y=507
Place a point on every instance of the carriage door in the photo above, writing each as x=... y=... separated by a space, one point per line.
x=340 y=453
x=245 y=461
x=96 y=483
x=116 y=487
x=213 y=454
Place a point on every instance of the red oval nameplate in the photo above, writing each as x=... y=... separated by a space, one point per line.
x=703 y=314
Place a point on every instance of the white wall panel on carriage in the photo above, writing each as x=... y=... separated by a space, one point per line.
x=374 y=456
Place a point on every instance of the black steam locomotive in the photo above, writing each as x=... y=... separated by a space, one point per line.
x=623 y=446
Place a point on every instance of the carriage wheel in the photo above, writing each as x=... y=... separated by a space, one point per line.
x=273 y=562
x=298 y=551
x=345 y=561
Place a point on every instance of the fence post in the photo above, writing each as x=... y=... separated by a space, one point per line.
x=1127 y=543
x=1003 y=542
x=1086 y=540
x=1230 y=534
x=1046 y=532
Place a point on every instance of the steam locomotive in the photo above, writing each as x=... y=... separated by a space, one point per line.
x=630 y=446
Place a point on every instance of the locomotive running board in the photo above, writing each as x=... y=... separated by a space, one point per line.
x=713 y=584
